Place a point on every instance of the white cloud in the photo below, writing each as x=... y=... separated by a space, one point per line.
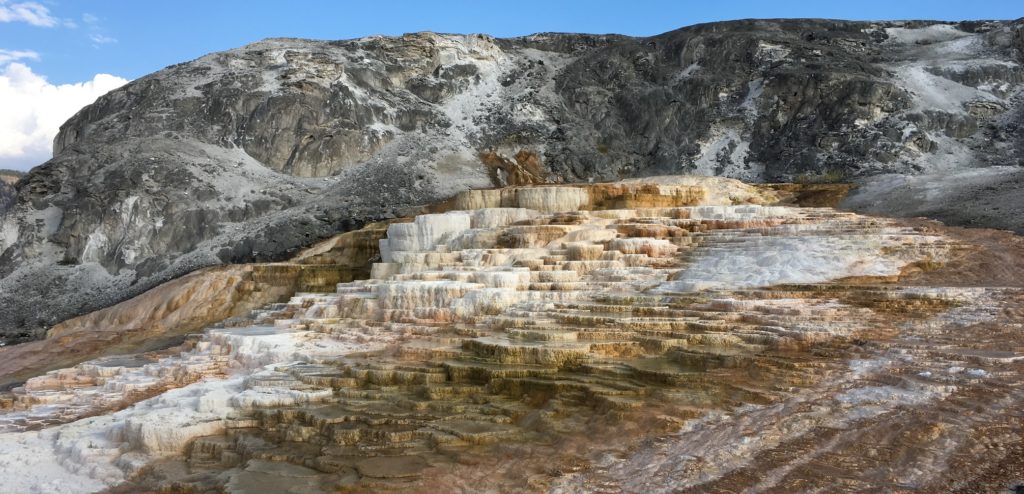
x=31 y=12
x=15 y=55
x=102 y=39
x=97 y=35
x=34 y=109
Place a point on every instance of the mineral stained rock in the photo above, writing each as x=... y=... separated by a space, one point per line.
x=712 y=341
x=253 y=153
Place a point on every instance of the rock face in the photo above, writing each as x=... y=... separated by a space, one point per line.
x=252 y=153
x=10 y=177
x=699 y=337
x=8 y=194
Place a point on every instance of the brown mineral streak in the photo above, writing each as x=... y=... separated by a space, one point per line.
x=525 y=168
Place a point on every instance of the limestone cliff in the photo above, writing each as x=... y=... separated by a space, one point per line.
x=252 y=153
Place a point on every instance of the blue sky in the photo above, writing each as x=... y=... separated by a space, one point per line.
x=58 y=55
x=133 y=38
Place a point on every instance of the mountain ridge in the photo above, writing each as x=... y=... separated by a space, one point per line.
x=252 y=153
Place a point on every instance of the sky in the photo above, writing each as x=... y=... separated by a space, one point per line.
x=59 y=55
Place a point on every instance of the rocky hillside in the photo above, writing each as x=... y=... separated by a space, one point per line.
x=251 y=153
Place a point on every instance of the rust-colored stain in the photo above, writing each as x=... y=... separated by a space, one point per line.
x=525 y=168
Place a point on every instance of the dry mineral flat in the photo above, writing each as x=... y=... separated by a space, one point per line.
x=670 y=335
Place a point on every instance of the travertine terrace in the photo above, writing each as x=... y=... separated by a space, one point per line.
x=648 y=336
